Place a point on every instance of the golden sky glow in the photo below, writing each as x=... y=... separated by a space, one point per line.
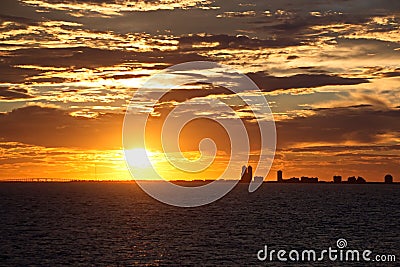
x=330 y=73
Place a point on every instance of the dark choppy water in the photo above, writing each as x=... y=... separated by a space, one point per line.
x=116 y=224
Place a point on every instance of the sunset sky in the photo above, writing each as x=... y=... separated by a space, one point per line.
x=329 y=70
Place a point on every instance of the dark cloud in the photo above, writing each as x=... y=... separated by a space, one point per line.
x=164 y=105
x=391 y=74
x=270 y=83
x=340 y=148
x=65 y=57
x=359 y=124
x=78 y=58
x=300 y=22
x=234 y=41
x=124 y=76
x=311 y=69
x=182 y=95
x=301 y=25
x=52 y=127
x=85 y=57
x=13 y=74
x=367 y=155
x=70 y=58
x=18 y=19
x=13 y=93
x=292 y=57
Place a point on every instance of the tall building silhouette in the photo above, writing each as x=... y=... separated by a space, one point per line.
x=247 y=174
x=250 y=173
x=279 y=175
x=244 y=170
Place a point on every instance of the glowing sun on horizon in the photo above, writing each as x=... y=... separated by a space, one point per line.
x=139 y=158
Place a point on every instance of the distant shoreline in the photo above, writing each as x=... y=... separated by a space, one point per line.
x=50 y=180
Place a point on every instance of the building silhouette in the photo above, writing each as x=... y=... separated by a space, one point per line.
x=388 y=179
x=292 y=180
x=337 y=179
x=250 y=173
x=305 y=179
x=247 y=174
x=279 y=175
x=360 y=180
x=352 y=180
x=279 y=178
x=244 y=170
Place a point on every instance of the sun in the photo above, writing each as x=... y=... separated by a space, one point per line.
x=138 y=158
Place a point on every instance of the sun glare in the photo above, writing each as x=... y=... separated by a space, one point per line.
x=139 y=158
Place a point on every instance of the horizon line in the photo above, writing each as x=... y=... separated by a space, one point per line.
x=66 y=180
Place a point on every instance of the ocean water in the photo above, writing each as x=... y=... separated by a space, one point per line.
x=116 y=224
